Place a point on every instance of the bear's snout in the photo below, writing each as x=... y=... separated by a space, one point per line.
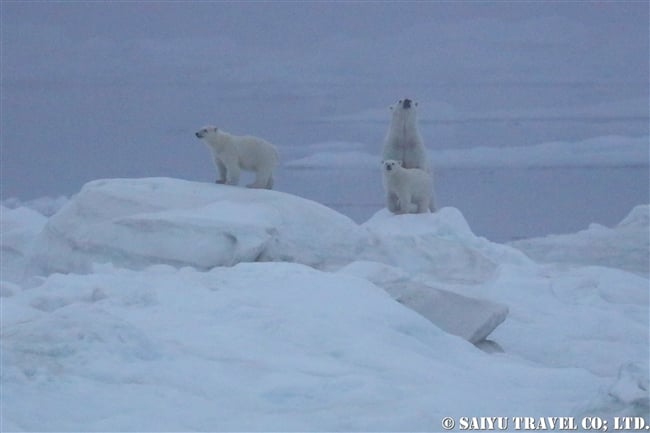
x=406 y=103
x=389 y=167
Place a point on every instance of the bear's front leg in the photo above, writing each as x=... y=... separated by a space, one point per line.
x=405 y=205
x=232 y=175
x=392 y=202
x=222 y=172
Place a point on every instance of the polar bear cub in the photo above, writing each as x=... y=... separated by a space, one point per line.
x=232 y=153
x=408 y=190
x=403 y=141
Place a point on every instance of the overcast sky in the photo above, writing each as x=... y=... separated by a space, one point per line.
x=109 y=89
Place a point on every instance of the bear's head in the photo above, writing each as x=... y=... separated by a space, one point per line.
x=206 y=131
x=390 y=164
x=404 y=104
x=404 y=116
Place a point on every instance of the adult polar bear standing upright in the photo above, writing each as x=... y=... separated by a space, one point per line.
x=403 y=143
x=232 y=153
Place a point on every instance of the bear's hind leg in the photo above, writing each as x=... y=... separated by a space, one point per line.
x=423 y=205
x=232 y=175
x=263 y=179
x=432 y=203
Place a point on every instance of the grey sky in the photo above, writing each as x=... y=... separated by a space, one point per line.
x=109 y=89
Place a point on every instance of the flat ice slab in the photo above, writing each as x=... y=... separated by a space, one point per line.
x=469 y=318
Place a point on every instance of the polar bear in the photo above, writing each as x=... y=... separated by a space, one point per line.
x=403 y=141
x=232 y=153
x=408 y=190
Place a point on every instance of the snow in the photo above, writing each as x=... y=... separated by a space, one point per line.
x=47 y=206
x=151 y=221
x=602 y=151
x=625 y=246
x=159 y=304
x=632 y=385
x=601 y=315
x=217 y=350
x=19 y=228
x=440 y=245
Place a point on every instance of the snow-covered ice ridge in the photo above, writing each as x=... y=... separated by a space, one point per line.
x=161 y=304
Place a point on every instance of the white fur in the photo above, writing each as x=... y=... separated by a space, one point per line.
x=232 y=153
x=408 y=190
x=403 y=142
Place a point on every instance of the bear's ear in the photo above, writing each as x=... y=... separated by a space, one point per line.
x=416 y=104
x=400 y=163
